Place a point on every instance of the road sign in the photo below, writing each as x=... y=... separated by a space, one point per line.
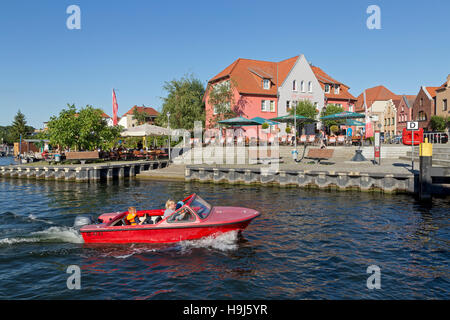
x=412 y=125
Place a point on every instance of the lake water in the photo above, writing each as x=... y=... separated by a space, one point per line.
x=307 y=244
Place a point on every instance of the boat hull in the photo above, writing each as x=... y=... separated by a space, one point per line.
x=150 y=234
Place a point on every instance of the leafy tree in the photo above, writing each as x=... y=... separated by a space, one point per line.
x=304 y=108
x=86 y=130
x=139 y=116
x=221 y=98
x=438 y=123
x=19 y=127
x=184 y=102
x=329 y=110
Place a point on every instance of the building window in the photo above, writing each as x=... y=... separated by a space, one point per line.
x=327 y=88
x=421 y=102
x=288 y=105
x=422 y=116
x=336 y=89
x=310 y=86
x=350 y=108
x=393 y=120
x=444 y=105
x=267 y=106
x=294 y=85
x=266 y=84
x=302 y=83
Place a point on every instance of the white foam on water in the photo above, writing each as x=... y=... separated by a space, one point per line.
x=52 y=234
x=220 y=241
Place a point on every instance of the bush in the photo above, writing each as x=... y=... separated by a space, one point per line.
x=334 y=128
x=288 y=130
x=265 y=125
x=438 y=123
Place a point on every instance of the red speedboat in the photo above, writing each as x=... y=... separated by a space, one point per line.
x=194 y=220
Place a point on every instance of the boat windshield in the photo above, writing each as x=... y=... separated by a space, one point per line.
x=200 y=206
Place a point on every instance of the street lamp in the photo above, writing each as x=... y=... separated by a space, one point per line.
x=168 y=127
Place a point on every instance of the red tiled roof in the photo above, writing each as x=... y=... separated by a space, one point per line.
x=378 y=93
x=104 y=115
x=248 y=75
x=432 y=91
x=324 y=78
x=148 y=110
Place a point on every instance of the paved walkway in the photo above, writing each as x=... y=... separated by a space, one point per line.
x=340 y=162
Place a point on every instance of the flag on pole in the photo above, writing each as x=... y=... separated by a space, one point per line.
x=369 y=129
x=115 y=108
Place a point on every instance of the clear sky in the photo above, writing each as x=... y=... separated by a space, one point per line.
x=135 y=46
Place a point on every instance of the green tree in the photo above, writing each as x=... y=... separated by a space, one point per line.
x=19 y=127
x=139 y=116
x=304 y=108
x=329 y=110
x=438 y=123
x=184 y=102
x=221 y=98
x=84 y=130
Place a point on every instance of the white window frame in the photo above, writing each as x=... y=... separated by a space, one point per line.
x=336 y=89
x=294 y=85
x=310 y=86
x=266 y=84
x=302 y=86
x=327 y=88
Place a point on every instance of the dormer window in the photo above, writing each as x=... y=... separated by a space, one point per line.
x=336 y=89
x=327 y=88
x=266 y=84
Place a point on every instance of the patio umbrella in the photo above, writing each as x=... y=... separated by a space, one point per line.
x=262 y=121
x=290 y=119
x=352 y=122
x=145 y=130
x=239 y=121
x=344 y=115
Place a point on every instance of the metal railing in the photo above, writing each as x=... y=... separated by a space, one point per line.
x=436 y=137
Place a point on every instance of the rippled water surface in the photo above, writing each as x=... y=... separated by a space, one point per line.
x=306 y=245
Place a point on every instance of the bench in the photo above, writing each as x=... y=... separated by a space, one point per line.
x=320 y=154
x=82 y=156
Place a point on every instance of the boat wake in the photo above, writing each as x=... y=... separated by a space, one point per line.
x=50 y=235
x=227 y=241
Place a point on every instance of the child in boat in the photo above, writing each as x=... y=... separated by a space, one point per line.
x=170 y=208
x=132 y=217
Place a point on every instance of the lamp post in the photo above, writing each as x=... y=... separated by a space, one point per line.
x=168 y=127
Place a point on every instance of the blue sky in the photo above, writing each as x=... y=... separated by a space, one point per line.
x=135 y=46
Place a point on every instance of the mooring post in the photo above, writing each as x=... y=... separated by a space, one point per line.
x=425 y=181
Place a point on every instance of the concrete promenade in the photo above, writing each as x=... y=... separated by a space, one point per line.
x=393 y=175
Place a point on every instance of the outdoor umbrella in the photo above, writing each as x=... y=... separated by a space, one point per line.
x=293 y=119
x=352 y=122
x=145 y=130
x=239 y=121
x=343 y=115
x=262 y=121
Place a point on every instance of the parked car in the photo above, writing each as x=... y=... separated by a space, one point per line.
x=436 y=137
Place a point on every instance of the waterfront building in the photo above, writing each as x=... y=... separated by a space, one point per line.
x=424 y=107
x=442 y=99
x=335 y=91
x=404 y=111
x=380 y=102
x=128 y=121
x=108 y=119
x=269 y=89
x=299 y=84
